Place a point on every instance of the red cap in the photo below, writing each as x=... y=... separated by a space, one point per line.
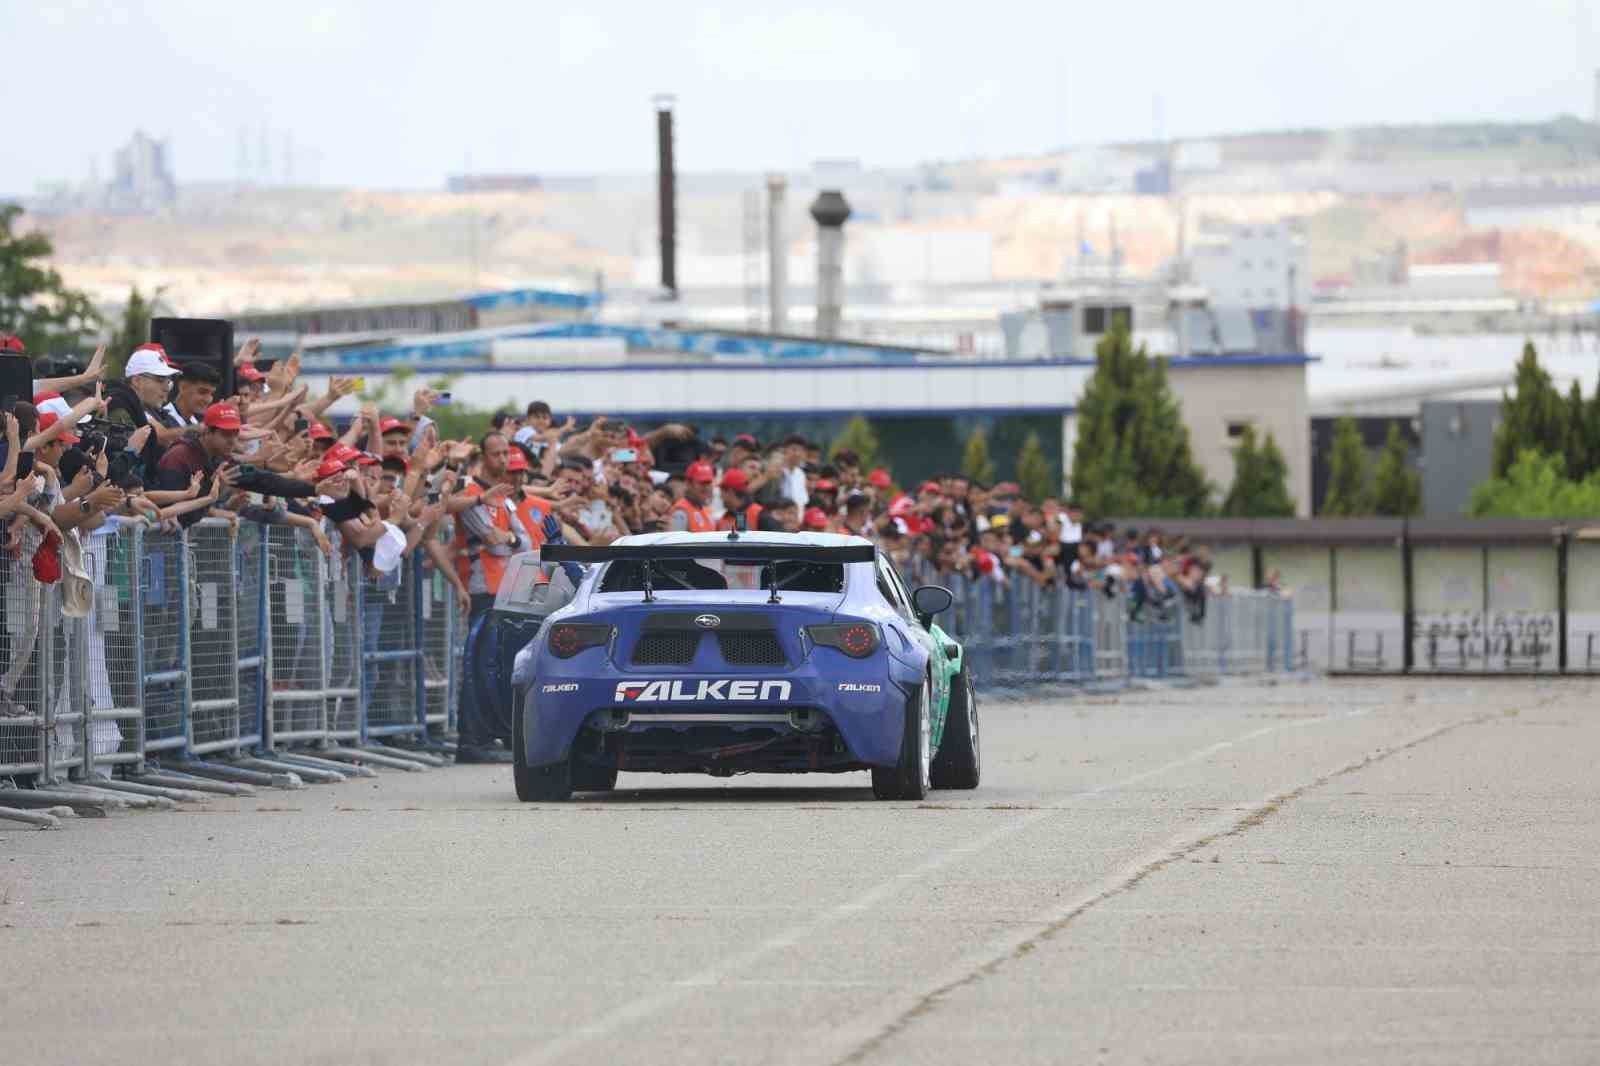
x=827 y=484
x=929 y=486
x=700 y=471
x=389 y=425
x=879 y=478
x=634 y=440
x=516 y=460
x=248 y=372
x=746 y=440
x=736 y=480
x=330 y=466
x=50 y=418
x=320 y=432
x=223 y=416
x=816 y=518
x=348 y=454
x=10 y=343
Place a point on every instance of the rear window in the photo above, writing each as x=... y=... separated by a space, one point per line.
x=718 y=574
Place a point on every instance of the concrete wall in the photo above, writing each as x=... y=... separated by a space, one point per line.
x=1482 y=596
x=1270 y=398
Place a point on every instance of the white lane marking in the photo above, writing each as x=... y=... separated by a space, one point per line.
x=633 y=1012
x=853 y=1042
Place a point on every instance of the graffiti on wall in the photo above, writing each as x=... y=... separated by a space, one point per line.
x=1485 y=640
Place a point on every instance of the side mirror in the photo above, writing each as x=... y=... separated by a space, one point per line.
x=930 y=600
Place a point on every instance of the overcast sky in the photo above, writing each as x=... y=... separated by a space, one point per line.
x=400 y=93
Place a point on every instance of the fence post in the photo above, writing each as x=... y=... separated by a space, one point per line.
x=419 y=640
x=358 y=594
x=185 y=662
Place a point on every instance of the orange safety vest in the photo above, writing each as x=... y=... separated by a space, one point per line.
x=699 y=517
x=468 y=555
x=532 y=519
x=752 y=518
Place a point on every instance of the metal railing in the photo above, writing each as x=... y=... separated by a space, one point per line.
x=238 y=641
x=223 y=641
x=1021 y=633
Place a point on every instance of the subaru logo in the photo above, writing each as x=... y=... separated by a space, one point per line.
x=707 y=621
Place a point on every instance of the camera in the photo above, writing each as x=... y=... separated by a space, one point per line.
x=98 y=436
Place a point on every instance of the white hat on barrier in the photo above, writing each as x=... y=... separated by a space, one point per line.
x=389 y=549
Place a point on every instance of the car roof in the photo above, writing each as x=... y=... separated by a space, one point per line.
x=818 y=540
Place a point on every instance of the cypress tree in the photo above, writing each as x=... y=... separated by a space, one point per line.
x=860 y=438
x=1397 y=489
x=1348 y=495
x=975 y=462
x=1132 y=455
x=1035 y=476
x=1260 y=480
x=1533 y=417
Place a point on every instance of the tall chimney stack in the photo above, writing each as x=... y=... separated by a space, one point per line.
x=777 y=256
x=830 y=210
x=667 y=195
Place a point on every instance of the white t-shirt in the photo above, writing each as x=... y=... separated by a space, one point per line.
x=794 y=486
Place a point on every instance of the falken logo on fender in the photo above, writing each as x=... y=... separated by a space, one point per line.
x=853 y=686
x=570 y=686
x=727 y=690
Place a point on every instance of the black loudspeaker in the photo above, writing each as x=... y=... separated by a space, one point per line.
x=198 y=340
x=16 y=380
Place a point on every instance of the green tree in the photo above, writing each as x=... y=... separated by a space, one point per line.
x=132 y=331
x=1532 y=416
x=35 y=304
x=975 y=462
x=1348 y=493
x=1132 y=455
x=1536 y=486
x=1035 y=475
x=1260 y=480
x=859 y=437
x=1397 y=489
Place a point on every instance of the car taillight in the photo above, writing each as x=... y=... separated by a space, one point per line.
x=856 y=639
x=569 y=638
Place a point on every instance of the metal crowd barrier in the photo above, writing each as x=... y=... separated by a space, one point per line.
x=228 y=641
x=1019 y=633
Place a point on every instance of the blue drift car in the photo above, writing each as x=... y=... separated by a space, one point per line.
x=726 y=654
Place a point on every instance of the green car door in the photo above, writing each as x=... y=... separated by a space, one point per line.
x=944 y=653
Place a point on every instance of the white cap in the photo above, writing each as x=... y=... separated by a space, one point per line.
x=150 y=359
x=386 y=553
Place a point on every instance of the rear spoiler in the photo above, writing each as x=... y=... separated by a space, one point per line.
x=731 y=551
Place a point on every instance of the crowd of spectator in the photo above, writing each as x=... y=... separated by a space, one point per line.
x=159 y=445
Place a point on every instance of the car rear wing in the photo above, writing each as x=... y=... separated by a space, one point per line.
x=729 y=551
x=768 y=555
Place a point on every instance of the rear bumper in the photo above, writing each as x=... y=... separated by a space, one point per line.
x=861 y=705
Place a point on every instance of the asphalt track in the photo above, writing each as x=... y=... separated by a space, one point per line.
x=1326 y=872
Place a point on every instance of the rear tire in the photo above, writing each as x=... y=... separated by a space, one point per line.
x=960 y=760
x=537 y=784
x=909 y=780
